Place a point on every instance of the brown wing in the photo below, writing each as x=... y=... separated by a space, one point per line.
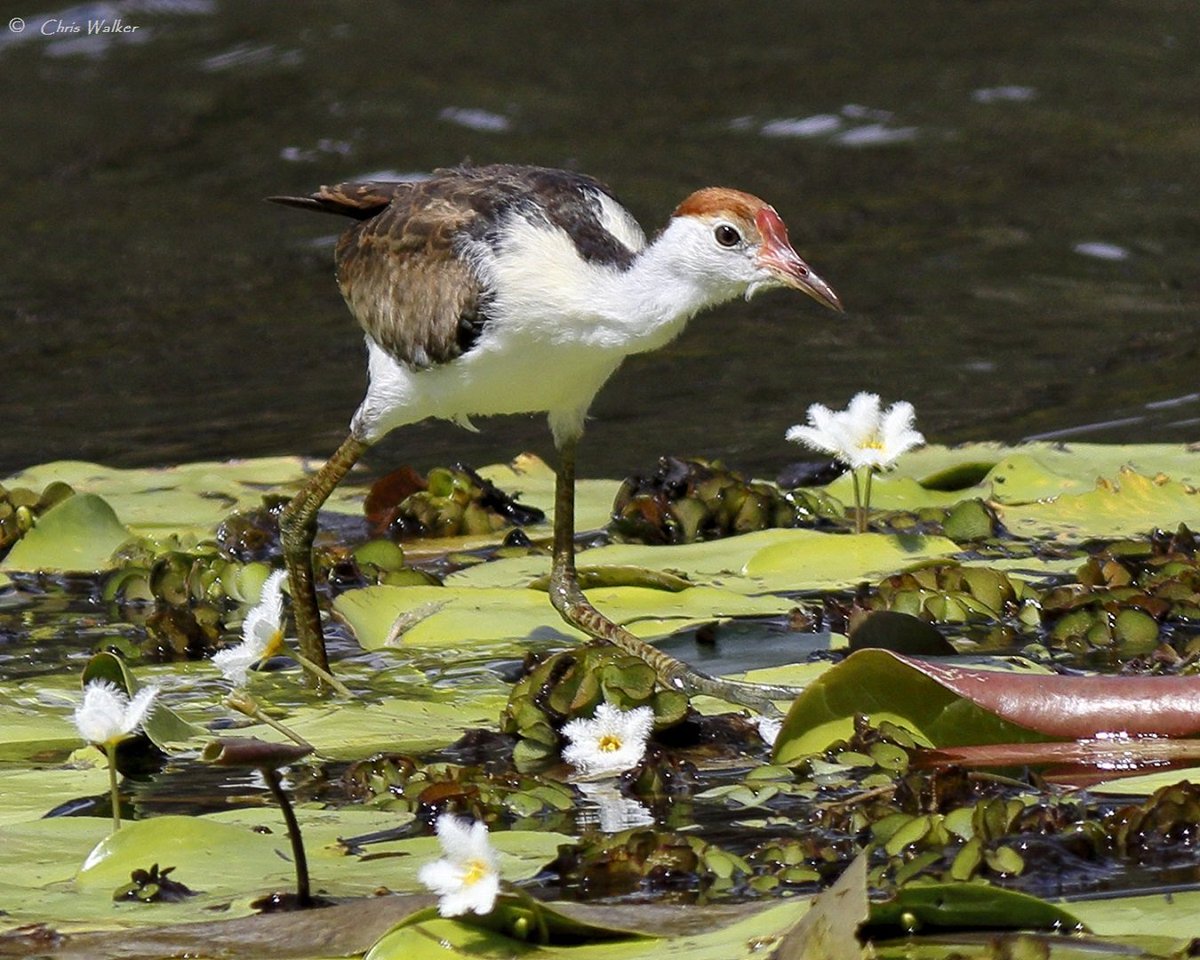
x=400 y=268
x=404 y=282
x=397 y=267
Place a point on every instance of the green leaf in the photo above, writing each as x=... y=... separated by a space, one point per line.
x=466 y=616
x=966 y=906
x=1129 y=504
x=78 y=535
x=718 y=932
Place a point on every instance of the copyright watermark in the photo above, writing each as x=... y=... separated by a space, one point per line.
x=56 y=27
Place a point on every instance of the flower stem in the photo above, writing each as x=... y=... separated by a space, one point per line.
x=246 y=705
x=860 y=516
x=867 y=496
x=303 y=892
x=110 y=750
x=323 y=674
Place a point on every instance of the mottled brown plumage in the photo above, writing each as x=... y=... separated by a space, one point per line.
x=403 y=268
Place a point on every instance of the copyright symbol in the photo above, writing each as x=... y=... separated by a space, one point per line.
x=16 y=25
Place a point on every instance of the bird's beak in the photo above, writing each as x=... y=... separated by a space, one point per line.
x=787 y=266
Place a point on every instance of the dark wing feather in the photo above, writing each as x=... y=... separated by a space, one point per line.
x=404 y=281
x=360 y=200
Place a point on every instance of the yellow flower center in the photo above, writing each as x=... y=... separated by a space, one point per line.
x=476 y=871
x=872 y=443
x=274 y=645
x=609 y=743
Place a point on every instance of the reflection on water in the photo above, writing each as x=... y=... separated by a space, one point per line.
x=1003 y=197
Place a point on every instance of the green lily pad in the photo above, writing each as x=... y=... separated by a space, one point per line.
x=1156 y=915
x=1130 y=504
x=189 y=500
x=719 y=934
x=760 y=562
x=893 y=492
x=78 y=535
x=474 y=615
x=229 y=858
x=29 y=793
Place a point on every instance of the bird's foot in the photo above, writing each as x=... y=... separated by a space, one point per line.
x=674 y=674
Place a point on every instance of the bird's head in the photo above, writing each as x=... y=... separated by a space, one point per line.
x=740 y=244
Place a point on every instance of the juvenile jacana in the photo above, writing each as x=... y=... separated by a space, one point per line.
x=512 y=289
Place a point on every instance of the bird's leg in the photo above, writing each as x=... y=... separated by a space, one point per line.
x=298 y=527
x=574 y=607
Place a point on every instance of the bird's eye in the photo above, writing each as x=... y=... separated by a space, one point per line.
x=727 y=236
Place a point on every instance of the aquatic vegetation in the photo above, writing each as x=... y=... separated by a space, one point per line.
x=901 y=764
x=686 y=500
x=864 y=437
x=467 y=878
x=106 y=716
x=610 y=742
x=575 y=684
x=448 y=502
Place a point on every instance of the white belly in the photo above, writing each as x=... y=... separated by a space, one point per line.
x=491 y=378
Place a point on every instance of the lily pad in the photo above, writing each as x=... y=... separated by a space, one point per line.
x=1131 y=503
x=474 y=615
x=882 y=686
x=78 y=535
x=761 y=562
x=229 y=858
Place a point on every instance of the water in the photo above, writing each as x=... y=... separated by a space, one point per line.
x=1002 y=193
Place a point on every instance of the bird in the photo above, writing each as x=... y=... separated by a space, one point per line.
x=506 y=289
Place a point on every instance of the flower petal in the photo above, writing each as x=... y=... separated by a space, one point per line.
x=139 y=709
x=99 y=717
x=611 y=742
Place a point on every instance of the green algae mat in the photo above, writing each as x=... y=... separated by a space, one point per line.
x=990 y=748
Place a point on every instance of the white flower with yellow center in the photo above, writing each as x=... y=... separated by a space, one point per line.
x=467 y=879
x=862 y=435
x=107 y=715
x=611 y=742
x=262 y=633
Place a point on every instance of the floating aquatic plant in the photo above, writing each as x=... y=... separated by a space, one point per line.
x=864 y=437
x=107 y=716
x=467 y=878
x=262 y=637
x=608 y=743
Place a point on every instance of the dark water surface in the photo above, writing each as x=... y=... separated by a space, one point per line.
x=1004 y=194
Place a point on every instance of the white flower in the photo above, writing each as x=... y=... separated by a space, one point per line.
x=468 y=878
x=861 y=435
x=610 y=743
x=107 y=715
x=768 y=729
x=262 y=633
x=613 y=810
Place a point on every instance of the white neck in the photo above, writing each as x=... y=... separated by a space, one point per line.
x=652 y=300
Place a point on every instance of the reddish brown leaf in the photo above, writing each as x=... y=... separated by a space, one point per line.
x=1076 y=708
